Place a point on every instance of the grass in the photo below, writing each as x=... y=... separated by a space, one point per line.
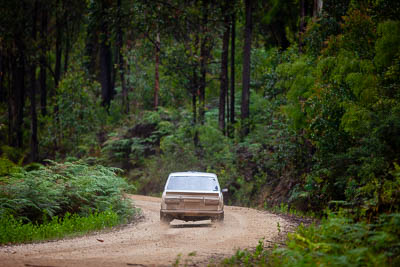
x=284 y=208
x=14 y=230
x=257 y=257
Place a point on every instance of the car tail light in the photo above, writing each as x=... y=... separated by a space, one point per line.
x=211 y=201
x=170 y=200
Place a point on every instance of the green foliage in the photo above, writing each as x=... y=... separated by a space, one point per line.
x=359 y=33
x=339 y=241
x=118 y=150
x=336 y=9
x=318 y=32
x=298 y=79
x=345 y=103
x=14 y=230
x=78 y=118
x=257 y=257
x=6 y=166
x=387 y=46
x=284 y=208
x=58 y=188
x=128 y=147
x=212 y=147
x=335 y=241
x=212 y=151
x=13 y=154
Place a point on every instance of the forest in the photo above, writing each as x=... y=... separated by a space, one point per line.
x=293 y=104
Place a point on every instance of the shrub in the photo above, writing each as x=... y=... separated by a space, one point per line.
x=79 y=116
x=339 y=241
x=58 y=188
x=6 y=166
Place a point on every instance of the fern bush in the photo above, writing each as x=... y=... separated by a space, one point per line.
x=60 y=188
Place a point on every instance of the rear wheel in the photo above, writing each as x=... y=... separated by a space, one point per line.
x=219 y=218
x=165 y=218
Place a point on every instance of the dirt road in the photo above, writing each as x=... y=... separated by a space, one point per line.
x=148 y=243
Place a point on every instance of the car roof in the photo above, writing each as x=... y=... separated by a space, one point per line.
x=193 y=173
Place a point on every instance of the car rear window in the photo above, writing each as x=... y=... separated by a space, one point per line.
x=192 y=183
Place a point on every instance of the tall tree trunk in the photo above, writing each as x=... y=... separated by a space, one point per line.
x=105 y=66
x=194 y=108
x=195 y=94
x=320 y=6
x=57 y=73
x=245 y=107
x=34 y=140
x=317 y=8
x=232 y=105
x=18 y=95
x=203 y=62
x=10 y=69
x=224 y=76
x=125 y=100
x=2 y=93
x=202 y=85
x=105 y=73
x=67 y=46
x=92 y=42
x=302 y=24
x=227 y=100
x=11 y=86
x=156 y=73
x=43 y=71
x=10 y=122
x=195 y=87
x=57 y=68
x=20 y=99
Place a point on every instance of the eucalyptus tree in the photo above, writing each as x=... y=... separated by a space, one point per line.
x=34 y=138
x=120 y=58
x=153 y=21
x=227 y=9
x=99 y=43
x=232 y=78
x=195 y=25
x=248 y=30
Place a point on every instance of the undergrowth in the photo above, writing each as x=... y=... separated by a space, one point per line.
x=57 y=199
x=246 y=257
x=58 y=188
x=336 y=241
x=14 y=230
x=284 y=208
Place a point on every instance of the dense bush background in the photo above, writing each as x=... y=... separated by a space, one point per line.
x=324 y=124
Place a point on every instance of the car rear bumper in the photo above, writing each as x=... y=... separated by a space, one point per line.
x=194 y=213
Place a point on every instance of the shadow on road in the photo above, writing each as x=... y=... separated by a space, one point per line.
x=192 y=225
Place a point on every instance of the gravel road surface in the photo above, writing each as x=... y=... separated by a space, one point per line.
x=149 y=243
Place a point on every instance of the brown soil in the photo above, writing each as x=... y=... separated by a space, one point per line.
x=149 y=243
